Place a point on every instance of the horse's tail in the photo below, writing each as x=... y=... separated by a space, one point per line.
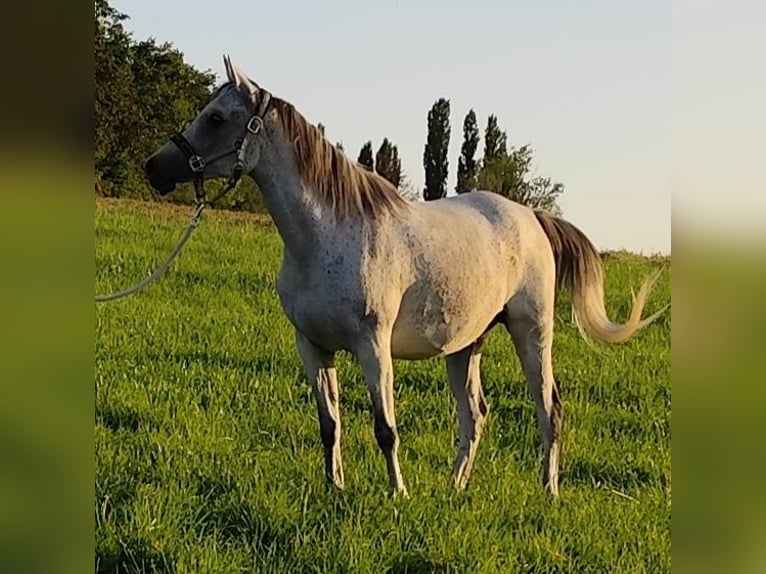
x=578 y=268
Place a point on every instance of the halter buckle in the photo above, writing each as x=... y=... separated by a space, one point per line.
x=254 y=125
x=196 y=163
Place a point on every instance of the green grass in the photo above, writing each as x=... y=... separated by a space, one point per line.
x=208 y=457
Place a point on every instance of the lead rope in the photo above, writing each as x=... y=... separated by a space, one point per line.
x=254 y=125
x=193 y=223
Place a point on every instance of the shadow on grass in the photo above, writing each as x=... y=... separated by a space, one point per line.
x=122 y=417
x=623 y=477
x=211 y=358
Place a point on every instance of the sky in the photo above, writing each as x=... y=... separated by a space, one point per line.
x=587 y=84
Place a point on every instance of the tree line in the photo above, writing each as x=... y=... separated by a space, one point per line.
x=503 y=170
x=144 y=91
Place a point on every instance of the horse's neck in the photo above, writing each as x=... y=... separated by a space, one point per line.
x=300 y=220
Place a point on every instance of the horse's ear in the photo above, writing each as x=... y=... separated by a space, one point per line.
x=234 y=74
x=230 y=74
x=251 y=85
x=239 y=79
x=244 y=82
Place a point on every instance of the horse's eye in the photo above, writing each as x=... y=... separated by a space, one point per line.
x=216 y=118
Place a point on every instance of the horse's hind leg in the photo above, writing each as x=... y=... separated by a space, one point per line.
x=465 y=381
x=320 y=370
x=531 y=327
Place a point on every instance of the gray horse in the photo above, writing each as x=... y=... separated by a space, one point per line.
x=371 y=273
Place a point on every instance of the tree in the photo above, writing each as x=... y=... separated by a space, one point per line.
x=533 y=191
x=542 y=193
x=144 y=92
x=495 y=140
x=387 y=162
x=114 y=89
x=320 y=127
x=340 y=147
x=169 y=91
x=435 y=159
x=510 y=175
x=499 y=174
x=407 y=189
x=366 y=157
x=467 y=167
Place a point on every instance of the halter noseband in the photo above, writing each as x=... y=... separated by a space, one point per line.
x=197 y=163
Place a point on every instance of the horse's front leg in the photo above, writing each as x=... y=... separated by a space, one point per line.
x=374 y=355
x=320 y=370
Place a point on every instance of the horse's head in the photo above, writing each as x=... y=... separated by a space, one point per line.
x=224 y=140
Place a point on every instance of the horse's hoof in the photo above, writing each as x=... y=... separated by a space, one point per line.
x=400 y=492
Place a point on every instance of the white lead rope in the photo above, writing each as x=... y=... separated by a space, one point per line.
x=193 y=223
x=197 y=166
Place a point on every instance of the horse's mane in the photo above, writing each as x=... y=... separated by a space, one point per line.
x=327 y=172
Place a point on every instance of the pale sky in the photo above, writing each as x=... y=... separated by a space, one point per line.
x=586 y=83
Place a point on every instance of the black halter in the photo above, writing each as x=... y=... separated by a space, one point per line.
x=197 y=163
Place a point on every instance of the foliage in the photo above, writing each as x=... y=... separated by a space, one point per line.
x=145 y=92
x=387 y=162
x=366 y=159
x=407 y=189
x=536 y=192
x=499 y=174
x=435 y=159
x=495 y=140
x=114 y=93
x=208 y=456
x=510 y=175
x=467 y=166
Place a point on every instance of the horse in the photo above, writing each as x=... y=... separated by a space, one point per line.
x=368 y=272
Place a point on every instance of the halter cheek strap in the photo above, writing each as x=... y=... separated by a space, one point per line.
x=265 y=101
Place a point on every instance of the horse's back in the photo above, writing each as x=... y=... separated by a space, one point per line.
x=466 y=209
x=488 y=224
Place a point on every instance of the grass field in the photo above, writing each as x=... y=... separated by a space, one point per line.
x=208 y=457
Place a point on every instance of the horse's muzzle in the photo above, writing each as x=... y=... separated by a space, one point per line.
x=156 y=180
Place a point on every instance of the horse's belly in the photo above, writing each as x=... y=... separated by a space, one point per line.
x=428 y=332
x=416 y=343
x=407 y=343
